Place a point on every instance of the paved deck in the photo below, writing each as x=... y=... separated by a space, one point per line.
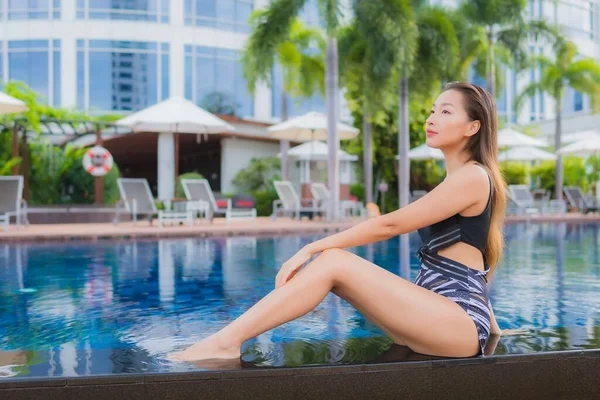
x=219 y=227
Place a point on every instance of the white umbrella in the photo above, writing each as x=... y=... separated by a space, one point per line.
x=577 y=136
x=310 y=126
x=316 y=150
x=424 y=152
x=526 y=153
x=175 y=115
x=509 y=137
x=582 y=147
x=9 y=104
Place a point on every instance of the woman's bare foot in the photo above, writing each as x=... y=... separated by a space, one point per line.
x=206 y=349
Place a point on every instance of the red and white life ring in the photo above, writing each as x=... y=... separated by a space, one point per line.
x=97 y=161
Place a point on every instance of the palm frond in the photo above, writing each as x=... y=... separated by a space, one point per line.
x=331 y=13
x=529 y=91
x=270 y=27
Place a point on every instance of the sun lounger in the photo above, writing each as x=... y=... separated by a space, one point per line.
x=200 y=190
x=12 y=203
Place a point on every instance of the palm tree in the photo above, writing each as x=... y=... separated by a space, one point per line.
x=270 y=31
x=505 y=32
x=302 y=68
x=565 y=69
x=369 y=51
x=426 y=65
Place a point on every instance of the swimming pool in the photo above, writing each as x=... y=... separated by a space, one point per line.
x=83 y=308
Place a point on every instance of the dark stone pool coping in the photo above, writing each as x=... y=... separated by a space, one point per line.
x=546 y=375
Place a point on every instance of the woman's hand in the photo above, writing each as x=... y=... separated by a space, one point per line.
x=291 y=267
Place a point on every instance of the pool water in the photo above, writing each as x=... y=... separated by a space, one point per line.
x=83 y=308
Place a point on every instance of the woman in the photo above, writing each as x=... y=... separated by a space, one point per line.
x=446 y=312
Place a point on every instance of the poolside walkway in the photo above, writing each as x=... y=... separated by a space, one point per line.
x=219 y=227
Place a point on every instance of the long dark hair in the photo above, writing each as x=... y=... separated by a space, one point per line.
x=483 y=148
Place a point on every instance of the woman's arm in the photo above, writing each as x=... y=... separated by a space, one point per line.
x=465 y=187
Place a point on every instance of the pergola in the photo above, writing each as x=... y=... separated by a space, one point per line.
x=69 y=129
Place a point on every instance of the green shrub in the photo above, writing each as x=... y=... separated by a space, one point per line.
x=259 y=175
x=264 y=202
x=358 y=190
x=425 y=174
x=514 y=173
x=188 y=175
x=574 y=174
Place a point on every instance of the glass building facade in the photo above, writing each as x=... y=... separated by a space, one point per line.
x=35 y=62
x=229 y=15
x=211 y=70
x=121 y=75
x=29 y=9
x=128 y=10
x=122 y=55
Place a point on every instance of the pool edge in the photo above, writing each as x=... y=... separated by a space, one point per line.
x=541 y=375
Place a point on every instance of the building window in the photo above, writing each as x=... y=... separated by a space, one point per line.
x=295 y=105
x=577 y=17
x=229 y=15
x=577 y=101
x=128 y=10
x=30 y=9
x=214 y=80
x=36 y=63
x=121 y=75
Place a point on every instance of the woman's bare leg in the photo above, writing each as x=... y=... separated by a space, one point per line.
x=425 y=321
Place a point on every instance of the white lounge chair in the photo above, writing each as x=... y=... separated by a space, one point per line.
x=322 y=195
x=200 y=190
x=523 y=198
x=578 y=200
x=12 y=203
x=138 y=200
x=289 y=202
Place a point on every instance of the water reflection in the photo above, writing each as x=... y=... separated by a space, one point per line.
x=88 y=308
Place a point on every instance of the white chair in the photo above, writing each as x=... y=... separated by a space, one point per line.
x=523 y=198
x=577 y=199
x=199 y=190
x=289 y=201
x=12 y=203
x=321 y=193
x=138 y=200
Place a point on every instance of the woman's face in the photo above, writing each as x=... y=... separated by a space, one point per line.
x=448 y=124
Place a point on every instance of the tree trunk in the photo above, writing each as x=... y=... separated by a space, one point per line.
x=333 y=142
x=284 y=145
x=403 y=144
x=491 y=66
x=557 y=144
x=367 y=158
x=15 y=147
x=25 y=164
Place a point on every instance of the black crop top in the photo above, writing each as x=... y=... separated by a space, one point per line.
x=473 y=230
